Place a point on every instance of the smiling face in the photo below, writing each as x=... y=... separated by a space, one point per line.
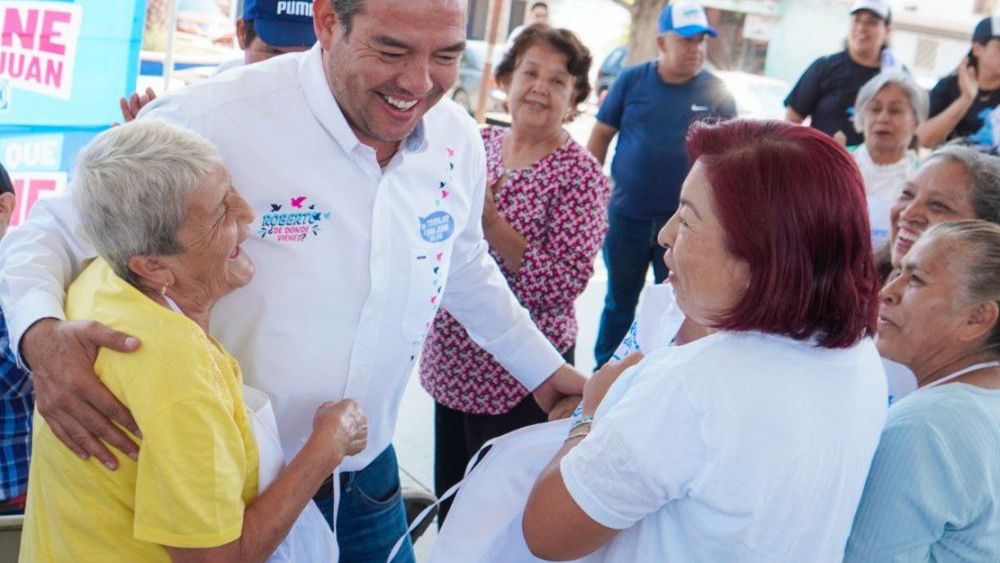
x=398 y=60
x=216 y=221
x=988 y=55
x=922 y=318
x=889 y=121
x=868 y=33
x=938 y=192
x=540 y=89
x=707 y=279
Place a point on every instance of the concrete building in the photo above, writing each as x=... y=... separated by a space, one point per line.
x=780 y=38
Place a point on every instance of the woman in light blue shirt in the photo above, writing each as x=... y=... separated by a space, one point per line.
x=933 y=493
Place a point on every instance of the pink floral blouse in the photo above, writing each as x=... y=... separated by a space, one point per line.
x=559 y=205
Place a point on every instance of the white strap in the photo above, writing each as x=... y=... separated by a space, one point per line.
x=962 y=372
x=447 y=495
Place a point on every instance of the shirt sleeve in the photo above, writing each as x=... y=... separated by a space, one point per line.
x=40 y=258
x=555 y=270
x=941 y=96
x=613 y=106
x=37 y=262
x=478 y=296
x=190 y=475
x=647 y=450
x=906 y=500
x=806 y=93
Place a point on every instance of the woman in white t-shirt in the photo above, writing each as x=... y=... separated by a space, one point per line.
x=750 y=443
x=888 y=110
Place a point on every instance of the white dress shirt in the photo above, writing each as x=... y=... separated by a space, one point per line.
x=352 y=260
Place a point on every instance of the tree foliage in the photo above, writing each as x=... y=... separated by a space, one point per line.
x=643 y=29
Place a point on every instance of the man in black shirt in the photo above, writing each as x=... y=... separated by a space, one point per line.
x=827 y=89
x=963 y=103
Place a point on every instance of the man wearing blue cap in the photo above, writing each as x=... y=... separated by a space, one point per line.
x=267 y=29
x=270 y=27
x=650 y=107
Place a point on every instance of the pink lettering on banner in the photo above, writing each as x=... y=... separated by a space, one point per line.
x=15 y=27
x=29 y=187
x=51 y=36
x=38 y=45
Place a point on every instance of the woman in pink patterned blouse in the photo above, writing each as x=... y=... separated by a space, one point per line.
x=545 y=217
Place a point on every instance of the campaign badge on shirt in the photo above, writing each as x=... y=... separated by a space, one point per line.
x=438 y=226
x=293 y=221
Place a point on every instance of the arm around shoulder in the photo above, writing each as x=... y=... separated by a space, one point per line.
x=37 y=262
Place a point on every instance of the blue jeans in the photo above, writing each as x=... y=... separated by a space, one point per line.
x=371 y=516
x=629 y=248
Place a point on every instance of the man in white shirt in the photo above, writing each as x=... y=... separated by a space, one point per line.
x=368 y=194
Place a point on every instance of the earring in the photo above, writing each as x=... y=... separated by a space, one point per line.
x=163 y=290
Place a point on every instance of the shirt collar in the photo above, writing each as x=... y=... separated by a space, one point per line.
x=329 y=115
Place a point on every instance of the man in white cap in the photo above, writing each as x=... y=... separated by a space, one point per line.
x=650 y=107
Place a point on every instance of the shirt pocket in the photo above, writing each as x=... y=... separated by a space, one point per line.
x=425 y=288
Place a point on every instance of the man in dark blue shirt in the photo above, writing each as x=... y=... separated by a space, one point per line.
x=650 y=107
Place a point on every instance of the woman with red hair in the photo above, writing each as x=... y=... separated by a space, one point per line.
x=752 y=442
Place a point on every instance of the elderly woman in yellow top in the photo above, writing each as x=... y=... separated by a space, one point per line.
x=167 y=224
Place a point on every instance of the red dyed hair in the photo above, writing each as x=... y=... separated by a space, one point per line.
x=792 y=204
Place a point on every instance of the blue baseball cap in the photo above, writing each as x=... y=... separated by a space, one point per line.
x=282 y=23
x=686 y=19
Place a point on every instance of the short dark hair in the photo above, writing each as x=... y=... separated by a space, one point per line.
x=791 y=202
x=561 y=40
x=346 y=10
x=538 y=5
x=6 y=185
x=249 y=33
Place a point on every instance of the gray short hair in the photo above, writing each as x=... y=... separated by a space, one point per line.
x=981 y=265
x=983 y=171
x=916 y=95
x=130 y=185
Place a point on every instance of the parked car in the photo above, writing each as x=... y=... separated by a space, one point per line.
x=610 y=69
x=470 y=74
x=756 y=96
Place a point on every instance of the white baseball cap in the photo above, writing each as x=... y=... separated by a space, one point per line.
x=878 y=7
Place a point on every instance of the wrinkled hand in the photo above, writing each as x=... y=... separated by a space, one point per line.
x=968 y=82
x=564 y=381
x=490 y=213
x=599 y=383
x=133 y=104
x=76 y=405
x=345 y=424
x=564 y=407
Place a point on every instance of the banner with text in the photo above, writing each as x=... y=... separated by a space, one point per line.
x=66 y=62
